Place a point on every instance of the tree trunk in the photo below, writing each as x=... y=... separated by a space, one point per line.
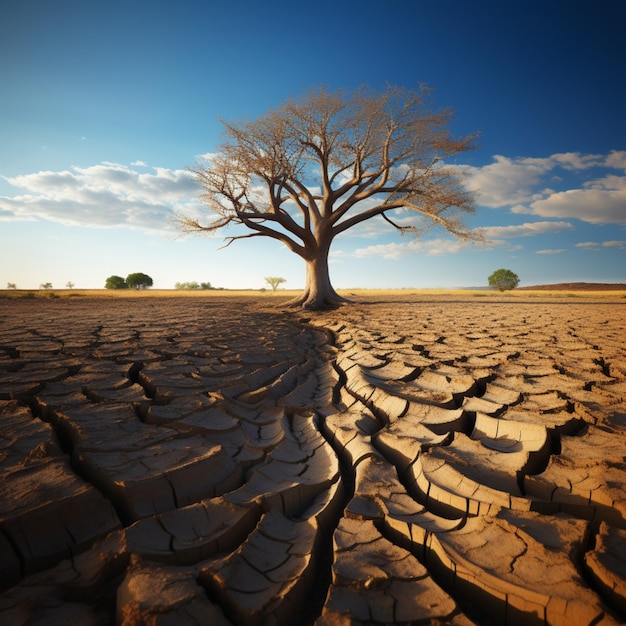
x=318 y=292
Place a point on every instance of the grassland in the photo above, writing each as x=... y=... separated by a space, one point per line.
x=281 y=294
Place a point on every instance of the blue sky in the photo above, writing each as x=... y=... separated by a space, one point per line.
x=104 y=104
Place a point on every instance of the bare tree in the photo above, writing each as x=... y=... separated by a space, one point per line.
x=317 y=166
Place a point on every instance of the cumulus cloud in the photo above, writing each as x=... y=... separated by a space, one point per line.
x=522 y=185
x=577 y=161
x=507 y=181
x=433 y=247
x=616 y=160
x=557 y=251
x=527 y=229
x=595 y=245
x=104 y=196
x=592 y=205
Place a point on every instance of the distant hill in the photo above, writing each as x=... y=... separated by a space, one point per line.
x=577 y=287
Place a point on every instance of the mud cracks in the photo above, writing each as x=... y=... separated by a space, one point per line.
x=214 y=462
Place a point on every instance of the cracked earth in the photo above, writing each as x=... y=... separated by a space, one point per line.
x=397 y=461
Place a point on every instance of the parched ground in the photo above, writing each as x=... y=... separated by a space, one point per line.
x=402 y=460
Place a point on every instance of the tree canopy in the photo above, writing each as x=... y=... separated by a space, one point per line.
x=503 y=280
x=139 y=280
x=274 y=281
x=319 y=165
x=115 y=282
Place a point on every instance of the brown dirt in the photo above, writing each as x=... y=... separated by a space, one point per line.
x=440 y=459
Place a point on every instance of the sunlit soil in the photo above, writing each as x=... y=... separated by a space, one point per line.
x=210 y=457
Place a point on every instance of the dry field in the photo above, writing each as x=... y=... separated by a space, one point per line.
x=413 y=458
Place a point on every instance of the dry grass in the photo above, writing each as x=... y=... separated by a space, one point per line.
x=488 y=293
x=290 y=293
x=147 y=293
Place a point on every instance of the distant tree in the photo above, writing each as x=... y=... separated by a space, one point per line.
x=11 y=286
x=138 y=280
x=503 y=280
x=191 y=285
x=309 y=170
x=115 y=282
x=69 y=284
x=274 y=281
x=45 y=286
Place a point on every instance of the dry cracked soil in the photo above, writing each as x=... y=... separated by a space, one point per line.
x=401 y=460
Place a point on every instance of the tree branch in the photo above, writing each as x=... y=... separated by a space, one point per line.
x=403 y=229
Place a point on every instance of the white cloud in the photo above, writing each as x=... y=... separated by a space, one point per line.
x=527 y=229
x=209 y=157
x=577 y=161
x=518 y=183
x=507 y=181
x=520 y=208
x=395 y=251
x=595 y=206
x=616 y=160
x=594 y=245
x=103 y=196
x=557 y=251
